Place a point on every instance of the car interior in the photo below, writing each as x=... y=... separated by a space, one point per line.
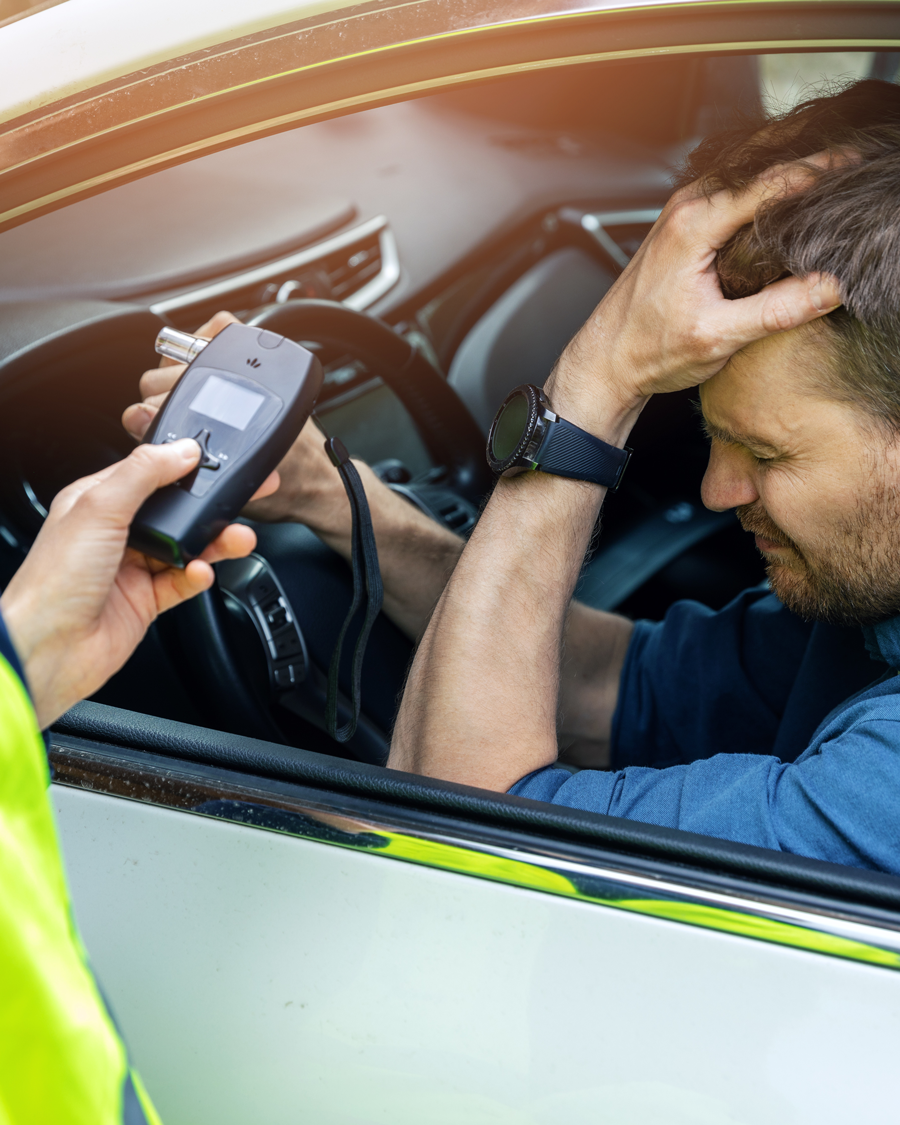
x=435 y=253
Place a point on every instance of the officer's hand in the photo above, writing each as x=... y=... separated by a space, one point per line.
x=665 y=325
x=81 y=601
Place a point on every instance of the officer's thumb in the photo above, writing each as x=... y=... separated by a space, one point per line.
x=116 y=498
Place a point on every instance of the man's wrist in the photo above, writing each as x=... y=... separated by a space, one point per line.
x=603 y=410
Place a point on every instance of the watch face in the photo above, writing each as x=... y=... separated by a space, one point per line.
x=509 y=427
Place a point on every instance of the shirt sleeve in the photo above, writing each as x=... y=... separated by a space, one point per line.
x=836 y=803
x=8 y=652
x=704 y=682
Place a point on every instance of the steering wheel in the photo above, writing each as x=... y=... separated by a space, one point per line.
x=222 y=633
x=450 y=433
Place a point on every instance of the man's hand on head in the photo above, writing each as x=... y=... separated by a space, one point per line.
x=481 y=704
x=81 y=601
x=665 y=325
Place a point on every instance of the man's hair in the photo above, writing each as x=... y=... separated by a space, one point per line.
x=847 y=223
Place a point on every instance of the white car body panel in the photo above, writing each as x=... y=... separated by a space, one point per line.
x=261 y=977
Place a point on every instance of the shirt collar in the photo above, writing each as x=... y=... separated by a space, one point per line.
x=883 y=641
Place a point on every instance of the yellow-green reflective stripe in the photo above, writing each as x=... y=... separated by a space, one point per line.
x=520 y=873
x=764 y=929
x=61 y=1059
x=152 y=1117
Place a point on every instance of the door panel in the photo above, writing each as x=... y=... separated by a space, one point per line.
x=266 y=978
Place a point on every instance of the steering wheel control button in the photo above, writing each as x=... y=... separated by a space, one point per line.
x=277 y=617
x=251 y=583
x=263 y=589
x=286 y=677
x=285 y=645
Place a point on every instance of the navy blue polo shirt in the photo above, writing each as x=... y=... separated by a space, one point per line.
x=751 y=725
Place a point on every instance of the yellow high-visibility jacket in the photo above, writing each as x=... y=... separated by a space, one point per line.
x=62 y=1060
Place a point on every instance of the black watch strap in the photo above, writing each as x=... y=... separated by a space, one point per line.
x=568 y=451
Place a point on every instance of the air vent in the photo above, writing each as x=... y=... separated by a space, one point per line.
x=348 y=270
x=356 y=267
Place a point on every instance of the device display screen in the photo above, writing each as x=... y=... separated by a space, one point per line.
x=224 y=401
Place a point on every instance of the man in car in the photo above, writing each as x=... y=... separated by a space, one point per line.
x=71 y=616
x=771 y=282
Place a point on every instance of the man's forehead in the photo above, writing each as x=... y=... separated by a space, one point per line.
x=765 y=393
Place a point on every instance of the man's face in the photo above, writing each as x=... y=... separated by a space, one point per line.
x=811 y=478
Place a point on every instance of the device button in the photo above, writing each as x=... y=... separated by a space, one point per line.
x=201 y=485
x=269 y=339
x=207 y=461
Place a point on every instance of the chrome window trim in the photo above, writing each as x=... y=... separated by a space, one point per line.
x=400 y=834
x=382 y=283
x=49 y=137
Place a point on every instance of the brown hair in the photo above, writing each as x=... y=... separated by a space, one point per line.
x=846 y=223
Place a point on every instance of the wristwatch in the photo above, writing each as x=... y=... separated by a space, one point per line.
x=526 y=435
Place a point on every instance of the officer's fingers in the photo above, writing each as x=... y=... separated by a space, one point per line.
x=116 y=498
x=271 y=484
x=171 y=586
x=215 y=324
x=779 y=307
x=235 y=542
x=160 y=380
x=137 y=419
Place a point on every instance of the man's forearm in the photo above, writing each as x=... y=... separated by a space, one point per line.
x=594 y=654
x=480 y=703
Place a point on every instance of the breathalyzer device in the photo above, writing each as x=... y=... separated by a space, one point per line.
x=244 y=397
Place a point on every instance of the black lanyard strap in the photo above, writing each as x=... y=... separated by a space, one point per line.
x=366 y=576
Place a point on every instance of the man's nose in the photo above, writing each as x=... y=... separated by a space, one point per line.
x=729 y=480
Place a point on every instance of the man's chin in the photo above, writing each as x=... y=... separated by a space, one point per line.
x=792 y=591
x=814 y=599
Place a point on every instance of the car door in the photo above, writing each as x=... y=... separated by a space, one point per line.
x=284 y=937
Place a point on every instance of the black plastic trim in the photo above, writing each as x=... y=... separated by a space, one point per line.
x=98 y=727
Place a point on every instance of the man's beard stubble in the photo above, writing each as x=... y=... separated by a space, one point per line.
x=856 y=583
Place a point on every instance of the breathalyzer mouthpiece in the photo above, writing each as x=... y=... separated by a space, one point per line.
x=180 y=346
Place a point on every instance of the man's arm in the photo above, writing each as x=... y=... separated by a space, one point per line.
x=480 y=705
x=487 y=673
x=417 y=555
